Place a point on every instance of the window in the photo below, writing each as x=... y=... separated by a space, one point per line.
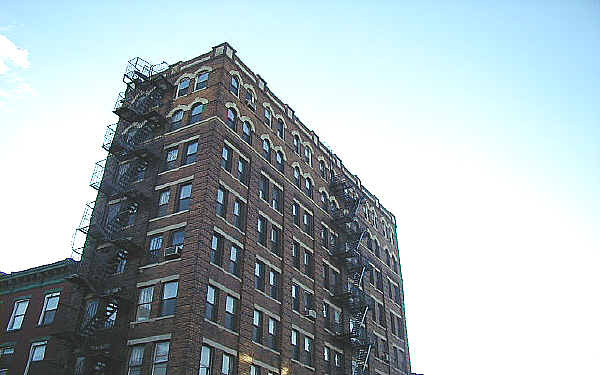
x=206 y=356
x=392 y=323
x=308 y=351
x=327 y=314
x=161 y=358
x=231 y=118
x=379 y=280
x=259 y=275
x=266 y=146
x=184 y=86
x=196 y=115
x=377 y=250
x=263 y=188
x=322 y=169
x=308 y=156
x=234 y=87
x=277 y=198
x=136 y=358
x=381 y=315
x=369 y=243
x=231 y=308
x=169 y=302
x=275 y=240
x=279 y=161
x=294 y=342
x=295 y=297
x=202 y=81
x=296 y=254
x=273 y=334
x=387 y=258
x=191 y=152
x=247 y=132
x=274 y=284
x=280 y=128
x=308 y=301
x=36 y=353
x=242 y=172
x=18 y=314
x=171 y=159
x=49 y=309
x=257 y=326
x=234 y=260
x=324 y=237
x=308 y=223
x=163 y=202
x=296 y=213
x=308 y=185
x=297 y=176
x=262 y=231
x=250 y=99
x=212 y=298
x=155 y=245
x=239 y=215
x=144 y=307
x=228 y=364
x=308 y=263
x=255 y=370
x=185 y=197
x=297 y=144
x=222 y=202
x=177 y=120
x=226 y=159
x=324 y=201
x=216 y=249
x=91 y=308
x=267 y=116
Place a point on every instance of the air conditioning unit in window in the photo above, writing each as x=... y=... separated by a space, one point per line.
x=311 y=314
x=173 y=251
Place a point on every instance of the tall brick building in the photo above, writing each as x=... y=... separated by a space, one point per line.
x=227 y=238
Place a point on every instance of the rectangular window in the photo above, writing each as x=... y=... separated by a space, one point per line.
x=185 y=197
x=295 y=297
x=228 y=364
x=294 y=342
x=308 y=263
x=202 y=81
x=216 y=249
x=280 y=129
x=177 y=239
x=308 y=351
x=234 y=260
x=308 y=301
x=259 y=275
x=222 y=202
x=263 y=188
x=242 y=172
x=257 y=327
x=296 y=254
x=262 y=231
x=231 y=308
x=326 y=281
x=277 y=198
x=161 y=358
x=272 y=341
x=308 y=223
x=381 y=315
x=212 y=298
x=155 y=245
x=145 y=303
x=18 y=314
x=255 y=370
x=275 y=240
x=392 y=323
x=136 y=359
x=296 y=213
x=324 y=237
x=169 y=301
x=226 y=158
x=206 y=358
x=163 y=202
x=191 y=153
x=171 y=158
x=49 y=309
x=36 y=353
x=239 y=215
x=274 y=284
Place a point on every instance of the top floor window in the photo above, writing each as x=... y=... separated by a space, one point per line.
x=184 y=87
x=234 y=87
x=202 y=81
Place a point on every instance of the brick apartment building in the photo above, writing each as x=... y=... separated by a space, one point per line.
x=227 y=238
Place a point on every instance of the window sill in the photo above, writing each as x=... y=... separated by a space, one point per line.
x=266 y=347
x=177 y=168
x=303 y=365
x=269 y=250
x=226 y=272
x=167 y=216
x=221 y=327
x=231 y=225
x=151 y=320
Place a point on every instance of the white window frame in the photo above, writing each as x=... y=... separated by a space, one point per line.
x=44 y=308
x=32 y=348
x=11 y=322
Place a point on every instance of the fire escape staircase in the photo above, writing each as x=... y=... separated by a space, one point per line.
x=355 y=302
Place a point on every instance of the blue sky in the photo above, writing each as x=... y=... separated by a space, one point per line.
x=476 y=123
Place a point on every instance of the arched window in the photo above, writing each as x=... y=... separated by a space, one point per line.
x=297 y=144
x=309 y=187
x=176 y=120
x=184 y=87
x=266 y=145
x=280 y=128
x=231 y=118
x=202 y=81
x=250 y=100
x=322 y=168
x=308 y=156
x=234 y=87
x=267 y=116
x=297 y=176
x=247 y=132
x=369 y=243
x=280 y=161
x=196 y=114
x=377 y=250
x=324 y=201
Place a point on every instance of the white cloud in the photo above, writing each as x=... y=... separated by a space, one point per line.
x=11 y=54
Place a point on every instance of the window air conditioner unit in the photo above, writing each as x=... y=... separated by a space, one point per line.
x=173 y=251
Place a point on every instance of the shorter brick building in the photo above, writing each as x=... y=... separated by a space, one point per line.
x=32 y=309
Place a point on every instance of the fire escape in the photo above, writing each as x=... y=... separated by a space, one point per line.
x=106 y=237
x=351 y=296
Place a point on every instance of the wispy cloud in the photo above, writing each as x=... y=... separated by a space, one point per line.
x=10 y=54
